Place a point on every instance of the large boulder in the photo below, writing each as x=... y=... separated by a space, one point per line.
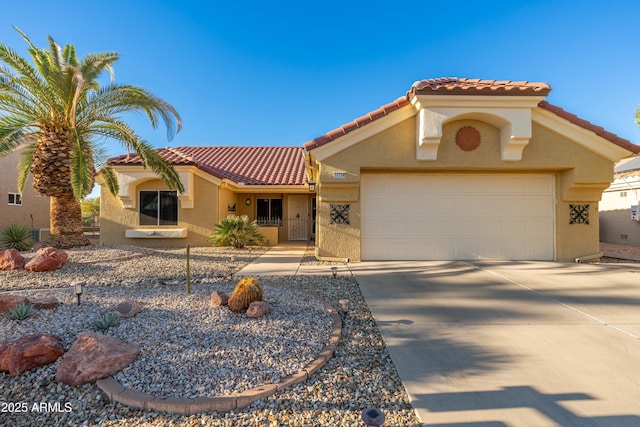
x=93 y=356
x=28 y=352
x=47 y=259
x=10 y=259
x=8 y=301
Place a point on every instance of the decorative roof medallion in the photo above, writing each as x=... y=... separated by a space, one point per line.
x=468 y=138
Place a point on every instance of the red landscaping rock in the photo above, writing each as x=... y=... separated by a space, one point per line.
x=47 y=259
x=128 y=308
x=218 y=299
x=28 y=352
x=257 y=309
x=46 y=303
x=8 y=301
x=93 y=356
x=10 y=259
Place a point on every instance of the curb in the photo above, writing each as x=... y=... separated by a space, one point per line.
x=135 y=399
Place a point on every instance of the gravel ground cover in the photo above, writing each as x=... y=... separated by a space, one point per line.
x=360 y=374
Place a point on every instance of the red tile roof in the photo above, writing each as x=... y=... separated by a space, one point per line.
x=456 y=86
x=248 y=165
x=600 y=131
x=357 y=123
x=464 y=86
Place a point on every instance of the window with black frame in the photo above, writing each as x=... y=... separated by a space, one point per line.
x=158 y=208
x=269 y=211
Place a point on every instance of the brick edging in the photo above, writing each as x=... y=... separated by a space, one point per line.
x=135 y=399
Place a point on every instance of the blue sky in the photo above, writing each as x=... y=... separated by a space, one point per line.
x=282 y=73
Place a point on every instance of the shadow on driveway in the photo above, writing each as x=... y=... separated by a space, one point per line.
x=513 y=344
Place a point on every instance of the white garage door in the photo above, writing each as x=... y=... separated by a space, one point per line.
x=457 y=217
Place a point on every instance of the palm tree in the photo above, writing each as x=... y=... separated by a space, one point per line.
x=58 y=114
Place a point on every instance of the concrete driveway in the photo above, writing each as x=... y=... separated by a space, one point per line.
x=511 y=343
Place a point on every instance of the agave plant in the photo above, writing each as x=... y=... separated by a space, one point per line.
x=16 y=237
x=21 y=311
x=105 y=321
x=236 y=231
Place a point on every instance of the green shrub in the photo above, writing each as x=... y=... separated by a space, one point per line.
x=21 y=311
x=105 y=321
x=17 y=237
x=236 y=231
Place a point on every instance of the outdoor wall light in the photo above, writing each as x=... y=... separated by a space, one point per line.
x=77 y=288
x=344 y=303
x=231 y=269
x=334 y=271
x=312 y=185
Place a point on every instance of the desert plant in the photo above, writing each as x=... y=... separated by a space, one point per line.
x=61 y=110
x=236 y=231
x=247 y=291
x=21 y=311
x=17 y=237
x=105 y=321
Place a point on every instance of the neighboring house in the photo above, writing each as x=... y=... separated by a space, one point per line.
x=27 y=208
x=456 y=169
x=619 y=215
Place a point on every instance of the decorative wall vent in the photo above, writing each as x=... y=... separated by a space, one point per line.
x=468 y=138
x=339 y=214
x=579 y=214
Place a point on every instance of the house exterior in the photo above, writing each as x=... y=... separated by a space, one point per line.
x=619 y=215
x=26 y=208
x=463 y=169
x=455 y=169
x=268 y=184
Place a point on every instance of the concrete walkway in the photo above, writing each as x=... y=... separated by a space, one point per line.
x=285 y=259
x=281 y=260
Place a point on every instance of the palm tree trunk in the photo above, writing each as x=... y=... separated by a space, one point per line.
x=66 y=223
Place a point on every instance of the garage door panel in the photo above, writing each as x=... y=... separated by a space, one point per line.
x=458 y=216
x=539 y=205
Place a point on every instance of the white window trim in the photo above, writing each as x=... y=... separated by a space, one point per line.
x=16 y=197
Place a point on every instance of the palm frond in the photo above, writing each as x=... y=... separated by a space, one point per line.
x=29 y=76
x=82 y=169
x=24 y=164
x=94 y=64
x=109 y=177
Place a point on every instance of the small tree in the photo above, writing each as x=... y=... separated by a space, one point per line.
x=90 y=211
x=236 y=231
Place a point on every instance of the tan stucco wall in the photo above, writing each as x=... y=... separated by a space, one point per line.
x=33 y=205
x=210 y=205
x=199 y=220
x=581 y=176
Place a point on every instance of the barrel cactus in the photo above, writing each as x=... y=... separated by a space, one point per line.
x=247 y=291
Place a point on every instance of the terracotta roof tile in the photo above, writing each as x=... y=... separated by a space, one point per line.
x=598 y=130
x=359 y=122
x=248 y=165
x=464 y=86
